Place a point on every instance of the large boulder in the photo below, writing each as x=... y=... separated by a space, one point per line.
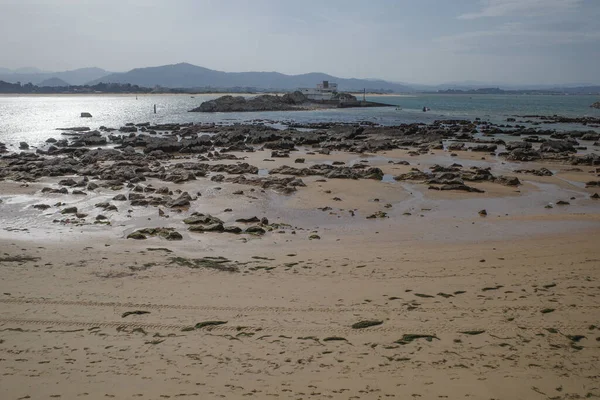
x=558 y=146
x=456 y=146
x=507 y=180
x=522 y=154
x=588 y=159
x=518 y=145
x=590 y=136
x=92 y=138
x=484 y=147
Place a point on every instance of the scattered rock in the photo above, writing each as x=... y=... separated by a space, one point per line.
x=558 y=146
x=366 y=324
x=136 y=236
x=335 y=339
x=166 y=233
x=473 y=333
x=507 y=180
x=205 y=324
x=408 y=338
x=255 y=230
x=136 y=312
x=378 y=214
x=537 y=172
x=217 y=263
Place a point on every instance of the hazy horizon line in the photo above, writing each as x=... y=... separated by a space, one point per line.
x=439 y=83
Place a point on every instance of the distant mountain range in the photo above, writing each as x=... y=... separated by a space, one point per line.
x=185 y=75
x=79 y=76
x=53 y=82
x=188 y=76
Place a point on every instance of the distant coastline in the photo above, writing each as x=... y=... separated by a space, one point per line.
x=587 y=90
x=192 y=79
x=127 y=94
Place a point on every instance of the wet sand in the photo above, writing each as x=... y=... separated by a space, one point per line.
x=503 y=306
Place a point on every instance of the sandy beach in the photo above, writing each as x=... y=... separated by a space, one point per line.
x=430 y=300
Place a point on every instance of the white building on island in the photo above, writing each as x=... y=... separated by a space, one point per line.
x=324 y=91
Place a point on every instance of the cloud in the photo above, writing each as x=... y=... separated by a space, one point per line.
x=522 y=8
x=513 y=35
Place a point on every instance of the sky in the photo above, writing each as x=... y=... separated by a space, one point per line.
x=414 y=41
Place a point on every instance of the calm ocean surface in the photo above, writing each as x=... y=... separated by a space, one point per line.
x=35 y=118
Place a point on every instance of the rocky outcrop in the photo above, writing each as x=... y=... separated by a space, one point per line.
x=166 y=233
x=489 y=148
x=524 y=154
x=144 y=151
x=596 y=105
x=286 y=185
x=588 y=159
x=93 y=138
x=457 y=186
x=559 y=146
x=518 y=145
x=507 y=180
x=295 y=98
x=289 y=101
x=331 y=172
x=537 y=172
x=454 y=178
x=456 y=146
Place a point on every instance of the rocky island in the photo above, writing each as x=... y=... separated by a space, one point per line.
x=267 y=102
x=596 y=105
x=325 y=96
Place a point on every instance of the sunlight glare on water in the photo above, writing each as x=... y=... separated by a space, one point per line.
x=33 y=119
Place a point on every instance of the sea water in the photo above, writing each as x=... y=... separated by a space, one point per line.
x=34 y=118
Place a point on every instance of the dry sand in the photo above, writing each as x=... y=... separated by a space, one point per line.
x=509 y=301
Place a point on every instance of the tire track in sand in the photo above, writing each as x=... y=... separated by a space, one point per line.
x=274 y=309
x=435 y=328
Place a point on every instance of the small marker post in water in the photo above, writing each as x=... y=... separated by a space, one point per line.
x=155 y=109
